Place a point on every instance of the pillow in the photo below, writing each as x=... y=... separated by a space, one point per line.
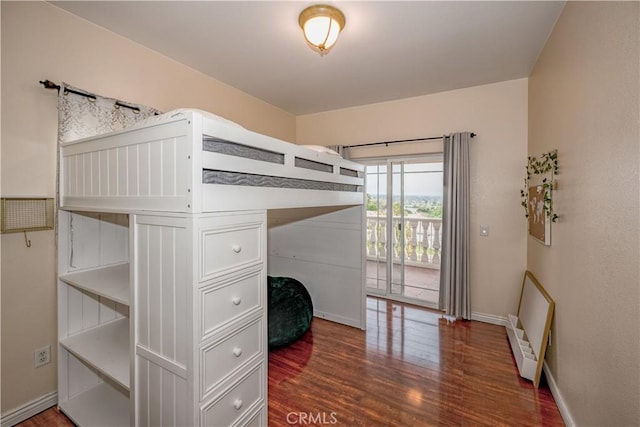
x=180 y=112
x=321 y=149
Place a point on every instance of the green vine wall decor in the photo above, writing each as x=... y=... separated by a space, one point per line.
x=545 y=164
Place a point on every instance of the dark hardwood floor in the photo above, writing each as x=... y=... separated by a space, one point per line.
x=410 y=368
x=52 y=417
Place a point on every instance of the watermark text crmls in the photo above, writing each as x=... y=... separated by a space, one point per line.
x=312 y=418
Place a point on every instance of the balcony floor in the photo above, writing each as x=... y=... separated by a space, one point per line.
x=421 y=283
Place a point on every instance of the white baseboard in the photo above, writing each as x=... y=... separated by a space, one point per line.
x=338 y=319
x=28 y=410
x=489 y=318
x=557 y=396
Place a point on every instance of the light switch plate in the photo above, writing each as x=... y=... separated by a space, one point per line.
x=484 y=230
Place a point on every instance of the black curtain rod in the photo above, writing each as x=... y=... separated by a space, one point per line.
x=48 y=84
x=397 y=141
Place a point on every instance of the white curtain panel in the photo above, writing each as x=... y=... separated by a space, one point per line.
x=455 y=298
x=81 y=117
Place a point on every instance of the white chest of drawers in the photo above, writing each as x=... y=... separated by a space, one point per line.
x=232 y=319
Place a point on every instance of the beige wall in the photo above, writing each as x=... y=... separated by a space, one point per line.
x=40 y=41
x=498 y=114
x=583 y=100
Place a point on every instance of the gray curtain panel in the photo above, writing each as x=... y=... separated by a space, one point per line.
x=455 y=299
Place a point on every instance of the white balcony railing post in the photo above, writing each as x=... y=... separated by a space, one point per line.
x=413 y=239
x=382 y=238
x=436 y=243
x=425 y=240
x=372 y=238
x=397 y=250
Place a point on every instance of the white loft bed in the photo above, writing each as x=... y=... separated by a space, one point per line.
x=167 y=232
x=190 y=161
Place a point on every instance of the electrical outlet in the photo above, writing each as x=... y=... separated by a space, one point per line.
x=42 y=356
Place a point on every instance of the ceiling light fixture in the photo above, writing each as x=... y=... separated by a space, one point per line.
x=321 y=25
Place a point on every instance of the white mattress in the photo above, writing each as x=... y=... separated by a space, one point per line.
x=181 y=112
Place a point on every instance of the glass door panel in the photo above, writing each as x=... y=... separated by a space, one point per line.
x=376 y=189
x=422 y=219
x=404 y=229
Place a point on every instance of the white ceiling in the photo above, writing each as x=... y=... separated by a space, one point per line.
x=388 y=50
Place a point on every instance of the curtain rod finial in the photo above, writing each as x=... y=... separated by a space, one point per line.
x=48 y=84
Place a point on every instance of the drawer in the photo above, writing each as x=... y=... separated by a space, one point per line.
x=223 y=303
x=229 y=248
x=228 y=408
x=257 y=420
x=227 y=356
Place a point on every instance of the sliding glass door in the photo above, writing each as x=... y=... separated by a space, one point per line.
x=404 y=217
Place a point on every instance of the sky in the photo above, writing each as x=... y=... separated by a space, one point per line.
x=420 y=179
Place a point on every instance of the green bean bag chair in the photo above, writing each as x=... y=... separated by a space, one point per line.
x=290 y=310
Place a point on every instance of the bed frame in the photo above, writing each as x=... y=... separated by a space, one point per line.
x=166 y=233
x=194 y=162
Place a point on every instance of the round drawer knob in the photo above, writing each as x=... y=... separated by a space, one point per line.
x=237 y=404
x=237 y=351
x=236 y=300
x=236 y=248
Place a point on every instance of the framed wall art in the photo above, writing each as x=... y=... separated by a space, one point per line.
x=539 y=224
x=537 y=195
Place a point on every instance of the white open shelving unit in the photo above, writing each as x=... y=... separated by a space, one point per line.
x=94 y=329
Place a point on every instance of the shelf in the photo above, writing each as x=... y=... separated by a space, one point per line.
x=99 y=406
x=110 y=282
x=105 y=348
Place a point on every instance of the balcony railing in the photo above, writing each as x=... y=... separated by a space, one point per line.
x=422 y=240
